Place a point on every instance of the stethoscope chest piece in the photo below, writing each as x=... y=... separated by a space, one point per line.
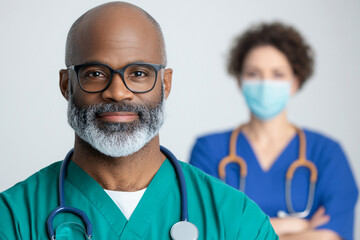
x=184 y=230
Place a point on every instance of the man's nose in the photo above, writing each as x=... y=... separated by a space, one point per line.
x=117 y=91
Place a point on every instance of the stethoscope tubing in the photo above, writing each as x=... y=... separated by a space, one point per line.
x=181 y=180
x=300 y=162
x=89 y=229
x=62 y=205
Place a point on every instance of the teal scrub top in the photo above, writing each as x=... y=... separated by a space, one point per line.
x=218 y=211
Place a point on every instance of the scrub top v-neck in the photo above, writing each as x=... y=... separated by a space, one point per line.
x=143 y=215
x=261 y=183
x=218 y=211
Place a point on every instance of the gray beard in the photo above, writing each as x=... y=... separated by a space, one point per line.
x=116 y=139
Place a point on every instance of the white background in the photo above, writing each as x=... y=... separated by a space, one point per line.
x=34 y=130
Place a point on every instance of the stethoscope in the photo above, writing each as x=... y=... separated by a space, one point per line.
x=182 y=230
x=300 y=162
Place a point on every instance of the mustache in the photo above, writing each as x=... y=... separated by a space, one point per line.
x=144 y=112
x=116 y=107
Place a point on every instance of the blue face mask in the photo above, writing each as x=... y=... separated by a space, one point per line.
x=266 y=98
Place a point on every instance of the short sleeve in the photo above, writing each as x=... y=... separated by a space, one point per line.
x=338 y=192
x=266 y=231
x=257 y=230
x=7 y=221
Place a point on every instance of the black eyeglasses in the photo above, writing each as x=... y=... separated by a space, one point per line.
x=96 y=77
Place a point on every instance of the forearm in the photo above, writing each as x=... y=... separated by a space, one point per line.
x=312 y=235
x=287 y=226
x=279 y=226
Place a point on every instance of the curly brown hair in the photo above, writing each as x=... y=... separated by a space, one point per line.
x=284 y=38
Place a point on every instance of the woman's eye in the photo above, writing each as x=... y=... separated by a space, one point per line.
x=278 y=75
x=250 y=74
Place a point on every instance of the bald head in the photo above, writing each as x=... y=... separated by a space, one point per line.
x=110 y=14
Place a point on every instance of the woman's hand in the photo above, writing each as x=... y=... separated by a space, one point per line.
x=319 y=218
x=291 y=225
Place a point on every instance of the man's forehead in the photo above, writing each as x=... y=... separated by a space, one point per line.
x=125 y=30
x=116 y=19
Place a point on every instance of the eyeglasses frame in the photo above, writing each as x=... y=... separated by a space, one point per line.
x=120 y=71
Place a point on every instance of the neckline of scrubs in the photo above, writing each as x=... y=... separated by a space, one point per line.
x=147 y=207
x=277 y=159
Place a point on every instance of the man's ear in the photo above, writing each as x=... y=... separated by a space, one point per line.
x=167 y=81
x=64 y=83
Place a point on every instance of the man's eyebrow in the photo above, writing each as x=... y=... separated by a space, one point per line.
x=138 y=61
x=109 y=64
x=92 y=62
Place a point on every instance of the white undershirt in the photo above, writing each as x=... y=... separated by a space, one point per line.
x=126 y=201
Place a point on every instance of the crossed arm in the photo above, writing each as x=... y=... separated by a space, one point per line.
x=296 y=228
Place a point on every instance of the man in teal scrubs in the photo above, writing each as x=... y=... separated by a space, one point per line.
x=117 y=174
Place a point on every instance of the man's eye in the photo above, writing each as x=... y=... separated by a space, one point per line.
x=95 y=74
x=139 y=74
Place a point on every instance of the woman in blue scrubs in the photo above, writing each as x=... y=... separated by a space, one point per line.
x=271 y=62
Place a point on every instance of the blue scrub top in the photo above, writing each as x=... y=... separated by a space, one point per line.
x=335 y=190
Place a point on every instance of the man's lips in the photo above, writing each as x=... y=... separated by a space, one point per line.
x=118 y=116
